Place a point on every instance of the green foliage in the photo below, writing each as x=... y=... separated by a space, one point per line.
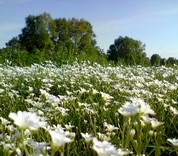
x=65 y=40
x=43 y=33
x=127 y=51
x=74 y=34
x=37 y=33
x=163 y=62
x=155 y=60
x=171 y=61
x=58 y=40
x=14 y=43
x=17 y=57
x=14 y=57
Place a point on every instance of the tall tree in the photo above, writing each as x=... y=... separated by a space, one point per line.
x=62 y=35
x=128 y=51
x=82 y=34
x=42 y=33
x=74 y=33
x=155 y=60
x=38 y=33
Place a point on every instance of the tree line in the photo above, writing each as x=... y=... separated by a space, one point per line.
x=128 y=51
x=44 y=38
x=44 y=34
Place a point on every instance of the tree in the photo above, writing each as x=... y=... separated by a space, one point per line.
x=74 y=34
x=155 y=60
x=171 y=61
x=82 y=34
x=163 y=62
x=14 y=43
x=38 y=33
x=62 y=35
x=128 y=51
x=69 y=38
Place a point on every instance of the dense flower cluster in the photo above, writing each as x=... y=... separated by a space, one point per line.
x=84 y=109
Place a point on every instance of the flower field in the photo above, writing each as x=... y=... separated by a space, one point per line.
x=88 y=110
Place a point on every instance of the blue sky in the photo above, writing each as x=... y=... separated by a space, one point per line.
x=154 y=22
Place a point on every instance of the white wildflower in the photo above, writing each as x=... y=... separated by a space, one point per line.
x=132 y=132
x=103 y=136
x=128 y=109
x=104 y=148
x=144 y=108
x=26 y=120
x=69 y=126
x=87 y=137
x=173 y=141
x=106 y=96
x=156 y=123
x=146 y=119
x=110 y=127
x=1 y=90
x=39 y=147
x=121 y=152
x=58 y=139
x=174 y=110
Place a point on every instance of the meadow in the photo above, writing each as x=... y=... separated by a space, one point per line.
x=86 y=109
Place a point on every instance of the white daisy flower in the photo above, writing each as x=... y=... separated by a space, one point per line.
x=26 y=120
x=58 y=139
x=128 y=109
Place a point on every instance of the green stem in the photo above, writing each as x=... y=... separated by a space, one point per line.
x=24 y=146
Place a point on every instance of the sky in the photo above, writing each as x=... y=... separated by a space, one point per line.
x=153 y=22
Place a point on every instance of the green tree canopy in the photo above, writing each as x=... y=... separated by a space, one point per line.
x=38 y=33
x=155 y=60
x=163 y=62
x=43 y=33
x=74 y=33
x=128 y=51
x=171 y=61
